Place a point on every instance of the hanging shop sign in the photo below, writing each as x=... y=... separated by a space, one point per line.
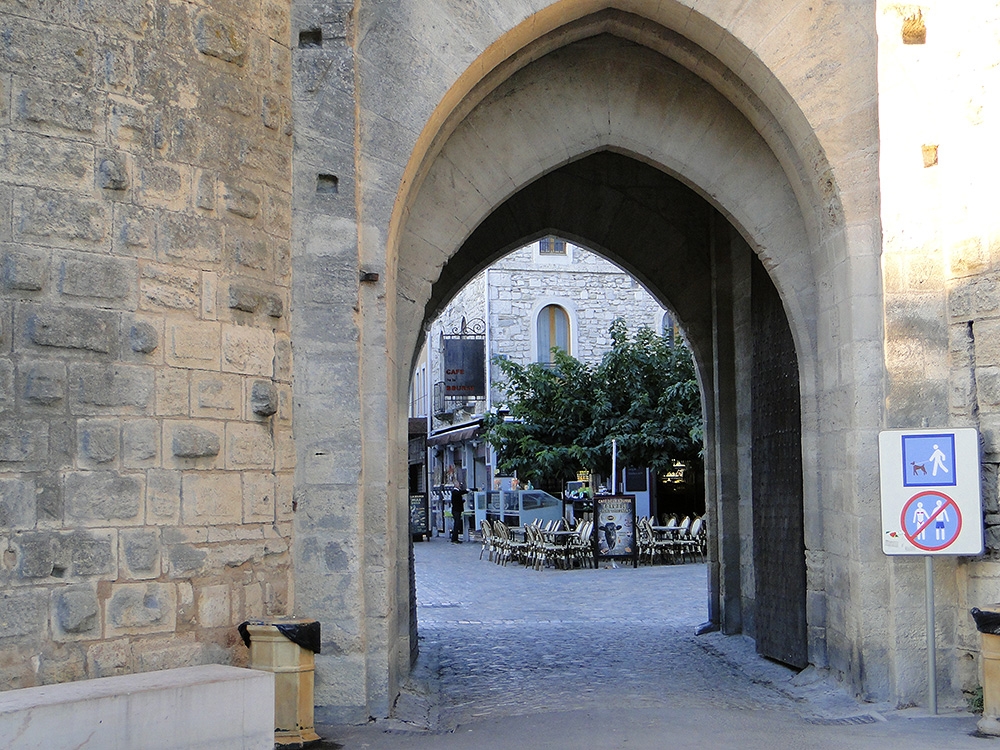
x=464 y=368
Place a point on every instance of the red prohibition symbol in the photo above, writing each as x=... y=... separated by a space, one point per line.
x=931 y=511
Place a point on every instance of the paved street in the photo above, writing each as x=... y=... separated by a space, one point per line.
x=512 y=657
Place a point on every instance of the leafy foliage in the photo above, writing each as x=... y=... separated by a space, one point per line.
x=564 y=416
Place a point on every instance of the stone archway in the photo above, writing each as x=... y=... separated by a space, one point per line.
x=594 y=174
x=704 y=97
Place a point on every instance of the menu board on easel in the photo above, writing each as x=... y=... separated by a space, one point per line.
x=614 y=529
x=418 y=515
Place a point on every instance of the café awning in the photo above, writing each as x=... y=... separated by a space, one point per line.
x=459 y=435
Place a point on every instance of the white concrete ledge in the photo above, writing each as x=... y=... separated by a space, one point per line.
x=210 y=706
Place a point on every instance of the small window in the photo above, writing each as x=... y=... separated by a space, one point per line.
x=552 y=328
x=551 y=246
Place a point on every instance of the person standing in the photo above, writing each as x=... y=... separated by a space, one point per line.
x=457 y=509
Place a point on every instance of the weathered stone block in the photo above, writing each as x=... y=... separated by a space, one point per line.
x=204 y=196
x=92 y=553
x=76 y=613
x=186 y=561
x=263 y=398
x=249 y=249
x=7 y=395
x=99 y=278
x=25 y=269
x=109 y=658
x=270 y=112
x=216 y=395
x=172 y=393
x=139 y=553
x=43 y=162
x=241 y=200
x=140 y=443
x=163 y=287
x=282 y=358
x=134 y=231
x=120 y=388
x=68 y=57
x=23 y=613
x=48 y=499
x=112 y=172
x=36 y=554
x=258 y=497
x=284 y=450
x=54 y=105
x=44 y=383
x=249 y=351
x=24 y=442
x=162 y=185
x=209 y=295
x=194 y=345
x=243 y=298
x=211 y=498
x=248 y=445
x=141 y=608
x=70 y=328
x=192 y=441
x=94 y=498
x=215 y=607
x=143 y=338
x=163 y=497
x=17 y=503
x=51 y=215
x=277 y=215
x=97 y=442
x=189 y=239
x=221 y=37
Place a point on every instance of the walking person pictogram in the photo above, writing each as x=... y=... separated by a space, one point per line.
x=937 y=460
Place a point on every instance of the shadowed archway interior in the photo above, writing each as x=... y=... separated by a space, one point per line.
x=689 y=256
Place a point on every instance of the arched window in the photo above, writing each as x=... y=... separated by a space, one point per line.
x=552 y=327
x=669 y=328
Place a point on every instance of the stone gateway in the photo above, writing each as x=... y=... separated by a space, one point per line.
x=192 y=191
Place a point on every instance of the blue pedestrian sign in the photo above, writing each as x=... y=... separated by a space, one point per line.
x=931 y=499
x=929 y=460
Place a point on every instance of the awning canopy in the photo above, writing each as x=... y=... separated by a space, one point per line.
x=454 y=436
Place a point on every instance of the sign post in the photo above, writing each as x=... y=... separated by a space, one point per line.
x=931 y=505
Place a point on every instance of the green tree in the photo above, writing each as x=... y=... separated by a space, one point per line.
x=648 y=400
x=549 y=407
x=563 y=417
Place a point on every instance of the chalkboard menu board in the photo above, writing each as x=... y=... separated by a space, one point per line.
x=419 y=515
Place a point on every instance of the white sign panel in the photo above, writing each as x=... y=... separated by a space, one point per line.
x=931 y=498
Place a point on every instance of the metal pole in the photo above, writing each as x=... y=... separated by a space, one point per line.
x=931 y=648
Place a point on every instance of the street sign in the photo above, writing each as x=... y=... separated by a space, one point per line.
x=931 y=499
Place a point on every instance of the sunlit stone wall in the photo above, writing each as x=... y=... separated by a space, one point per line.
x=939 y=88
x=145 y=441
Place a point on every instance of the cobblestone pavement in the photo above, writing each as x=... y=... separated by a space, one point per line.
x=611 y=655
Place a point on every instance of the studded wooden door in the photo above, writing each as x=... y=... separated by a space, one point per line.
x=779 y=548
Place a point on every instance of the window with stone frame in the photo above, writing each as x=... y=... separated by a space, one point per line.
x=551 y=246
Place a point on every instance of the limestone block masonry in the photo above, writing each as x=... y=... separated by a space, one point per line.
x=145 y=372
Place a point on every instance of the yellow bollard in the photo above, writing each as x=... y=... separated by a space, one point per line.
x=294 y=673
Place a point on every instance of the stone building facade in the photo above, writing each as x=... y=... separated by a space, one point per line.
x=592 y=292
x=188 y=190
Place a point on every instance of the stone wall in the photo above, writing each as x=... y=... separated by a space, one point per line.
x=145 y=442
x=939 y=80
